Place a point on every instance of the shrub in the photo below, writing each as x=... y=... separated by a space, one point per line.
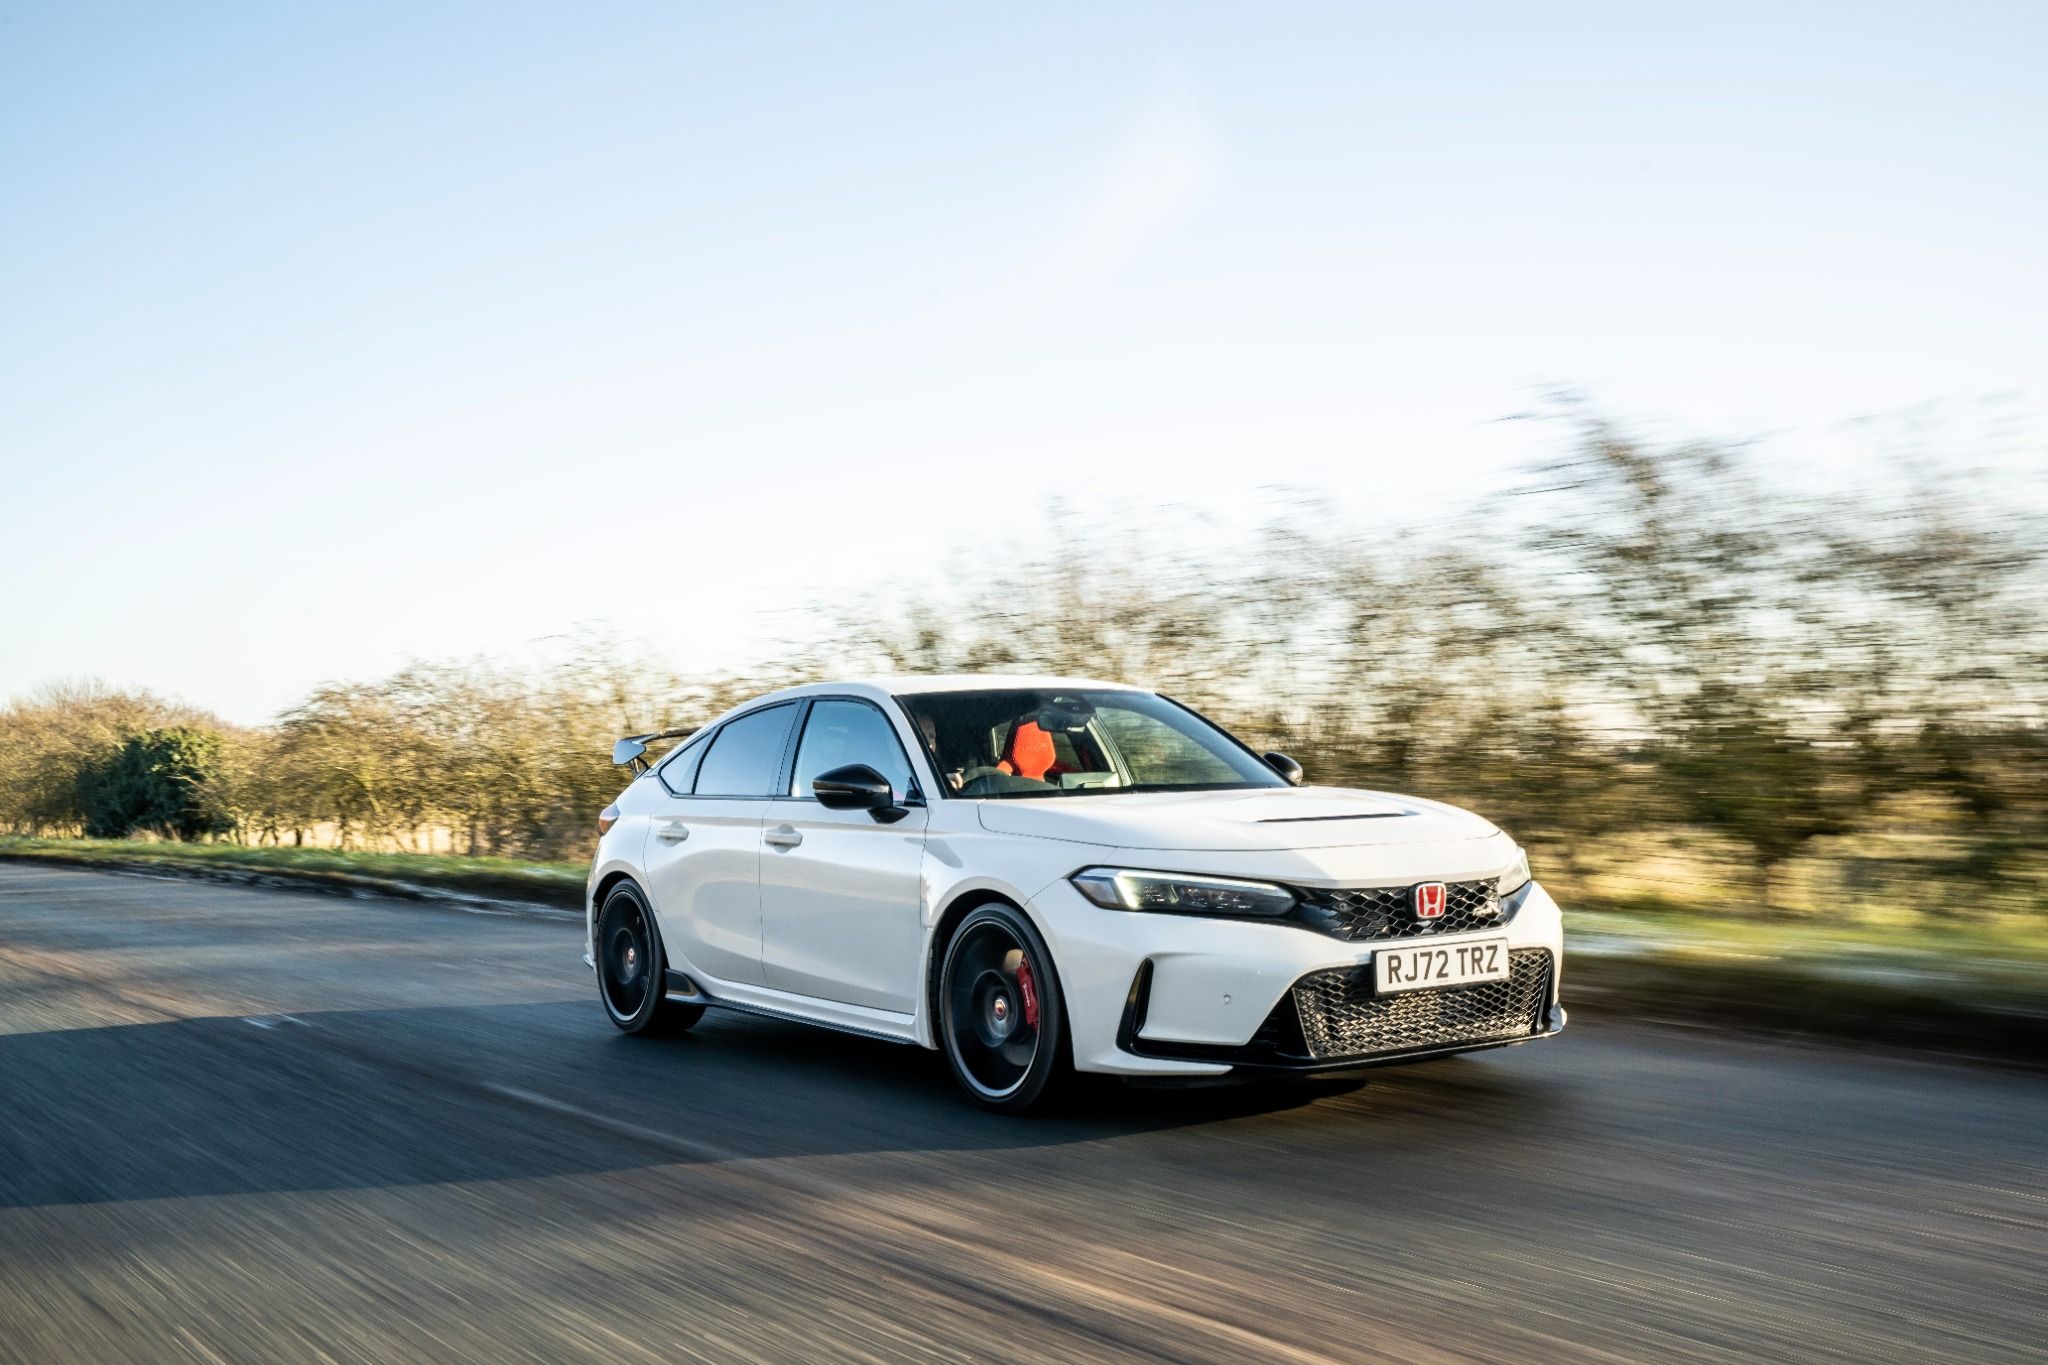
x=160 y=781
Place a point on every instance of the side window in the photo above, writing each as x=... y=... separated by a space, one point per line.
x=843 y=732
x=746 y=754
x=679 y=770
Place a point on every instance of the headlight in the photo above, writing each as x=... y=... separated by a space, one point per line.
x=1516 y=877
x=1115 y=888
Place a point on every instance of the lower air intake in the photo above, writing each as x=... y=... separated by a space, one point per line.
x=1341 y=1017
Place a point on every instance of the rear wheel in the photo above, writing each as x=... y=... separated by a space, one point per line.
x=632 y=972
x=1002 y=1020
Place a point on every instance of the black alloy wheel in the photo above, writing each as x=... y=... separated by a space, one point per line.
x=1001 y=1017
x=632 y=971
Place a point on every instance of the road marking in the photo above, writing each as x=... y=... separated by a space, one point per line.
x=689 y=1147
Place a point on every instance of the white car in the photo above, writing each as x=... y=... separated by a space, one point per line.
x=1034 y=875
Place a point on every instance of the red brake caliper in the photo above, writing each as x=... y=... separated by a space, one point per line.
x=1030 y=990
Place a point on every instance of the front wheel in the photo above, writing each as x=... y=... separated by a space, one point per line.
x=1002 y=1020
x=632 y=971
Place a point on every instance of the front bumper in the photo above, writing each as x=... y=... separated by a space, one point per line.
x=1162 y=995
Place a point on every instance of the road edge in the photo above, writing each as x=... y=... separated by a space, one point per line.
x=349 y=884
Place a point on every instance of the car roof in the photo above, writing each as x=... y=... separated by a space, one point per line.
x=991 y=682
x=913 y=685
x=883 y=688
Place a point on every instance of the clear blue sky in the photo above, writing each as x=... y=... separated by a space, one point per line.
x=331 y=337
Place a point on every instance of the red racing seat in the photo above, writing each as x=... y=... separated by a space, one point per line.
x=1030 y=752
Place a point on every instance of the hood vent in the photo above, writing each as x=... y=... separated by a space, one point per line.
x=1311 y=819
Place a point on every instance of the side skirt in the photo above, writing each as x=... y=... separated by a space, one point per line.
x=687 y=990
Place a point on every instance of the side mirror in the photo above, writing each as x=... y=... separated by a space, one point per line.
x=855 y=787
x=627 y=751
x=1286 y=767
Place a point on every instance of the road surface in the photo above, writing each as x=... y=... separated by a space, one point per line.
x=269 y=1125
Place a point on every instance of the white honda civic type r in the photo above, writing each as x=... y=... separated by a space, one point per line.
x=1038 y=875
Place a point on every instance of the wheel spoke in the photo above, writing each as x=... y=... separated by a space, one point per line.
x=960 y=998
x=981 y=953
x=1018 y=1052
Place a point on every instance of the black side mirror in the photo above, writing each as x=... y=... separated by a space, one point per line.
x=1286 y=767
x=855 y=787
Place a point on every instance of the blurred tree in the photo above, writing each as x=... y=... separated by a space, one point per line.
x=1672 y=581
x=1739 y=768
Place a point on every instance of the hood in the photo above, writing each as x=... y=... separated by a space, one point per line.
x=1235 y=821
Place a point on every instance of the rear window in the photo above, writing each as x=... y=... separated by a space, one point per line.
x=745 y=756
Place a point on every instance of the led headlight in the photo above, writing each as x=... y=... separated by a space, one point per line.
x=1516 y=877
x=1115 y=888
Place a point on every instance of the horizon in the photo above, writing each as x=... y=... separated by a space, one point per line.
x=338 y=341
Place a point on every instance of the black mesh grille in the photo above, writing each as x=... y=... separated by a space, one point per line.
x=1341 y=1017
x=1367 y=912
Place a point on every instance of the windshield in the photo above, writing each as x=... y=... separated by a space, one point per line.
x=1029 y=743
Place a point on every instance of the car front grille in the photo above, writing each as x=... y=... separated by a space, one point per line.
x=1369 y=912
x=1341 y=1017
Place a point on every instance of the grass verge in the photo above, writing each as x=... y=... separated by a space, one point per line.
x=1978 y=987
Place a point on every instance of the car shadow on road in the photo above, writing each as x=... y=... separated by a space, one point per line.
x=360 y=1099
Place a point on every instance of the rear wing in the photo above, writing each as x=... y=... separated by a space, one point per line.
x=633 y=748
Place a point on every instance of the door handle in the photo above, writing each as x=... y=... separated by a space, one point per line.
x=673 y=833
x=782 y=838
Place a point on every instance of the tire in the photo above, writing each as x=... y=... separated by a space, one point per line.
x=632 y=970
x=1002 y=1019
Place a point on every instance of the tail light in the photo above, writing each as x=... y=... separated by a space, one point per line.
x=606 y=818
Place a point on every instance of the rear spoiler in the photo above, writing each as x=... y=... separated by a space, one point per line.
x=633 y=748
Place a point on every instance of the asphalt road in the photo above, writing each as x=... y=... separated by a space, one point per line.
x=258 y=1125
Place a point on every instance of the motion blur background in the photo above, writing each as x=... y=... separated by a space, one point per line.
x=1628 y=426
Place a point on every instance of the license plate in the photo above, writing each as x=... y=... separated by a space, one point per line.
x=1451 y=964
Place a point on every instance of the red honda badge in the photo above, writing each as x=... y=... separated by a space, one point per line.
x=1429 y=900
